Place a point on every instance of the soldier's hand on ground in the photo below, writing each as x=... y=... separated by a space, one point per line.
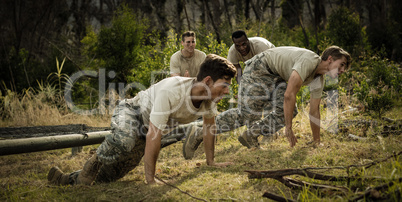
x=291 y=137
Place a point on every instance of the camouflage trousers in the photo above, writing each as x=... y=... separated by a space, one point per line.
x=260 y=101
x=123 y=150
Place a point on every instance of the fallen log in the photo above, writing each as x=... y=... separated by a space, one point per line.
x=256 y=174
x=280 y=174
x=294 y=183
x=26 y=145
x=285 y=172
x=277 y=197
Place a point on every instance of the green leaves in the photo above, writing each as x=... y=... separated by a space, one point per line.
x=379 y=86
x=344 y=29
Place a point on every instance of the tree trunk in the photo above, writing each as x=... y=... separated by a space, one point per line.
x=177 y=18
x=185 y=11
x=209 y=16
x=272 y=11
x=314 y=19
x=226 y=5
x=247 y=9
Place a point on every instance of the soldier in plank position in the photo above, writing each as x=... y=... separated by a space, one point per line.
x=139 y=124
x=274 y=77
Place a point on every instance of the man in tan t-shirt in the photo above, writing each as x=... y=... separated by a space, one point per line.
x=274 y=77
x=186 y=62
x=139 y=124
x=244 y=48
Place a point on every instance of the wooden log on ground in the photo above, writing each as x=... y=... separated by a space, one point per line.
x=300 y=184
x=254 y=174
x=26 y=145
x=277 y=197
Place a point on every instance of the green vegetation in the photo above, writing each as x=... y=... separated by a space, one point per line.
x=129 y=53
x=344 y=30
x=380 y=88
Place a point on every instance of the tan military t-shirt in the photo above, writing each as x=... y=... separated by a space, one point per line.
x=257 y=45
x=179 y=64
x=286 y=59
x=168 y=103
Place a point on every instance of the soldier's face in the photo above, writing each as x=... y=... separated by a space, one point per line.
x=336 y=67
x=219 y=88
x=242 y=45
x=189 y=43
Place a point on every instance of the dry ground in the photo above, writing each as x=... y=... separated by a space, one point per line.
x=23 y=176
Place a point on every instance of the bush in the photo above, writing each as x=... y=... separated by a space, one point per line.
x=119 y=49
x=156 y=62
x=344 y=29
x=380 y=86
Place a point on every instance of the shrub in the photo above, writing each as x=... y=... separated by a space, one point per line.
x=344 y=29
x=120 y=48
x=156 y=63
x=380 y=86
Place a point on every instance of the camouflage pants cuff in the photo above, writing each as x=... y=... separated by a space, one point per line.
x=72 y=178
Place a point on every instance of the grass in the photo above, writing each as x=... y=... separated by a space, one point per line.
x=41 y=107
x=23 y=176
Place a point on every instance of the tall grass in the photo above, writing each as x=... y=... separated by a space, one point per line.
x=41 y=106
x=44 y=105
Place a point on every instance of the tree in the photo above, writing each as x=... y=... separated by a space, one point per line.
x=385 y=27
x=26 y=28
x=118 y=48
x=344 y=29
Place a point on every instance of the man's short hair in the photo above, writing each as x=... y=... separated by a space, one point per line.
x=217 y=67
x=337 y=53
x=187 y=34
x=239 y=33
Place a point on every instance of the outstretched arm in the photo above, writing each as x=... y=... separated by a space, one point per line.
x=239 y=73
x=209 y=131
x=315 y=119
x=294 y=84
x=152 y=148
